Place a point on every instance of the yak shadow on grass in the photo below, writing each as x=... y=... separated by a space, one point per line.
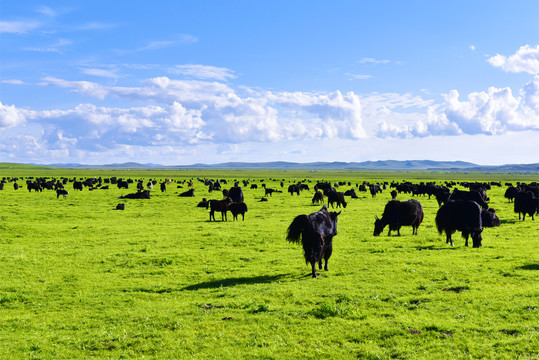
x=213 y=284
x=435 y=247
x=529 y=267
x=509 y=221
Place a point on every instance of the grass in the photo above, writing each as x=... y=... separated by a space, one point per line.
x=158 y=280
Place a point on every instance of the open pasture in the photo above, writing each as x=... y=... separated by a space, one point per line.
x=79 y=279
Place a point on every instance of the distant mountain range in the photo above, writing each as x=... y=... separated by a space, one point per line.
x=283 y=165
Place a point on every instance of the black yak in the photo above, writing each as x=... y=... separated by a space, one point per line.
x=375 y=189
x=236 y=194
x=204 y=203
x=525 y=203
x=318 y=197
x=61 y=192
x=511 y=192
x=145 y=194
x=336 y=197
x=464 y=216
x=188 y=193
x=473 y=195
x=398 y=213
x=296 y=188
x=236 y=209
x=316 y=232
x=221 y=206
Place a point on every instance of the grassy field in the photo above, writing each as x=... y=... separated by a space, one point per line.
x=80 y=280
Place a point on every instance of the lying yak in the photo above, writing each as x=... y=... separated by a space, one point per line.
x=464 y=216
x=398 y=213
x=489 y=218
x=145 y=194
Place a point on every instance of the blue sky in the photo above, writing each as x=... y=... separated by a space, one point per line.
x=181 y=82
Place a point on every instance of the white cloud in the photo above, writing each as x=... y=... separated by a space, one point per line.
x=358 y=76
x=366 y=60
x=10 y=116
x=18 y=27
x=526 y=59
x=204 y=72
x=494 y=112
x=13 y=82
x=110 y=73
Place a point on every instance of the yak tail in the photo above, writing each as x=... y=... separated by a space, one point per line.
x=439 y=223
x=296 y=228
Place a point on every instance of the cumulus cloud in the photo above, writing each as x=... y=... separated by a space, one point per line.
x=189 y=112
x=492 y=112
x=526 y=59
x=10 y=116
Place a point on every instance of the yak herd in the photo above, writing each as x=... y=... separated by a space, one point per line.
x=466 y=211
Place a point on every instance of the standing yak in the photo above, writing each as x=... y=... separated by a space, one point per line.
x=398 y=213
x=464 y=216
x=526 y=203
x=316 y=231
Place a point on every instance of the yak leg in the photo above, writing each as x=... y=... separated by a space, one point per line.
x=212 y=213
x=327 y=253
x=313 y=266
x=449 y=240
x=466 y=235
x=398 y=231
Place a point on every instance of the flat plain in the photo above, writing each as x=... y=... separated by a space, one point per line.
x=158 y=280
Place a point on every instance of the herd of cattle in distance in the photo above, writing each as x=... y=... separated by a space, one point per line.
x=465 y=211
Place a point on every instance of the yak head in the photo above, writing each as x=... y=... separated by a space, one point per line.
x=477 y=238
x=378 y=226
x=333 y=215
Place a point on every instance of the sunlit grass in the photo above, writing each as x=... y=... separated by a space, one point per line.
x=82 y=280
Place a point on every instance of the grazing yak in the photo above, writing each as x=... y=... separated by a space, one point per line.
x=236 y=209
x=525 y=203
x=464 y=216
x=316 y=232
x=398 y=213
x=336 y=197
x=296 y=188
x=120 y=207
x=472 y=195
x=375 y=189
x=61 y=192
x=318 y=197
x=270 y=191
x=221 y=206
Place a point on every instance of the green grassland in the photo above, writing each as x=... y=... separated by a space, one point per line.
x=80 y=280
